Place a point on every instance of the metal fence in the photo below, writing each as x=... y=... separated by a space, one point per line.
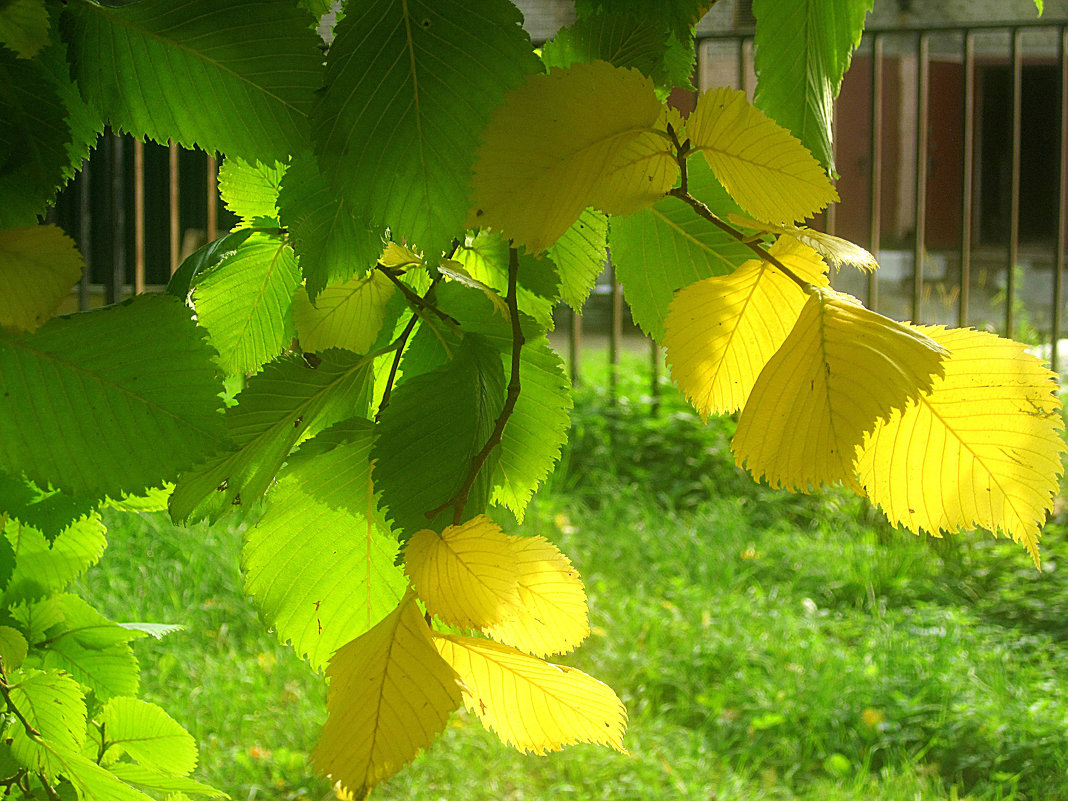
x=951 y=154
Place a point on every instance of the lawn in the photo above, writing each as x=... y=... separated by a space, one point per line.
x=767 y=646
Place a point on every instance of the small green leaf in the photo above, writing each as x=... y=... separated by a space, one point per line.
x=24 y=26
x=276 y=409
x=178 y=788
x=41 y=569
x=580 y=255
x=148 y=735
x=38 y=267
x=13 y=648
x=245 y=303
x=53 y=704
x=250 y=190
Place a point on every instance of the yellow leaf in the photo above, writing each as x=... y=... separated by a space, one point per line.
x=720 y=332
x=530 y=704
x=347 y=316
x=764 y=168
x=983 y=449
x=837 y=252
x=399 y=257
x=466 y=575
x=38 y=267
x=840 y=370
x=457 y=271
x=553 y=617
x=390 y=695
x=564 y=139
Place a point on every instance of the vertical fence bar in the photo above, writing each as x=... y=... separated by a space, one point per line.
x=875 y=158
x=1014 y=190
x=139 y=216
x=574 y=347
x=213 y=195
x=830 y=217
x=113 y=287
x=922 y=95
x=743 y=76
x=654 y=388
x=85 y=233
x=175 y=222
x=967 y=178
x=1062 y=206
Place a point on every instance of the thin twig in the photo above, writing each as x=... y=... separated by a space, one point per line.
x=413 y=298
x=400 y=342
x=682 y=192
x=459 y=501
x=5 y=691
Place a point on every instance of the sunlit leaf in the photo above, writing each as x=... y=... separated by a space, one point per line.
x=564 y=140
x=552 y=616
x=837 y=252
x=580 y=255
x=38 y=267
x=347 y=316
x=250 y=190
x=720 y=332
x=466 y=575
x=982 y=449
x=148 y=735
x=840 y=370
x=42 y=567
x=530 y=704
x=771 y=175
x=390 y=695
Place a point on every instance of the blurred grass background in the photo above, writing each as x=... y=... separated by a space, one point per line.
x=767 y=646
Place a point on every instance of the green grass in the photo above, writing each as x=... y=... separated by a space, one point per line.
x=767 y=646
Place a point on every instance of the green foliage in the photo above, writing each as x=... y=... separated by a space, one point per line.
x=399 y=175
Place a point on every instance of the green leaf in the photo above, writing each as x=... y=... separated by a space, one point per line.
x=246 y=302
x=148 y=735
x=240 y=76
x=580 y=255
x=38 y=267
x=49 y=512
x=323 y=574
x=13 y=648
x=537 y=429
x=276 y=409
x=620 y=39
x=332 y=241
x=93 y=649
x=89 y=780
x=667 y=247
x=34 y=133
x=802 y=51
x=177 y=787
x=204 y=259
x=24 y=26
x=454 y=407
x=41 y=569
x=485 y=257
x=102 y=421
x=250 y=189
x=53 y=704
x=678 y=15
x=399 y=121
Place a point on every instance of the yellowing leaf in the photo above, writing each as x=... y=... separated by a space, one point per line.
x=530 y=704
x=38 y=267
x=839 y=371
x=720 y=332
x=837 y=252
x=390 y=696
x=347 y=316
x=399 y=257
x=561 y=141
x=983 y=449
x=553 y=617
x=467 y=574
x=767 y=171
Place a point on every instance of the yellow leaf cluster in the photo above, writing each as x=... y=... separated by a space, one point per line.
x=720 y=332
x=390 y=695
x=562 y=141
x=521 y=590
x=764 y=167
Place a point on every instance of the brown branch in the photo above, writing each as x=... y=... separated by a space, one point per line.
x=459 y=501
x=682 y=192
